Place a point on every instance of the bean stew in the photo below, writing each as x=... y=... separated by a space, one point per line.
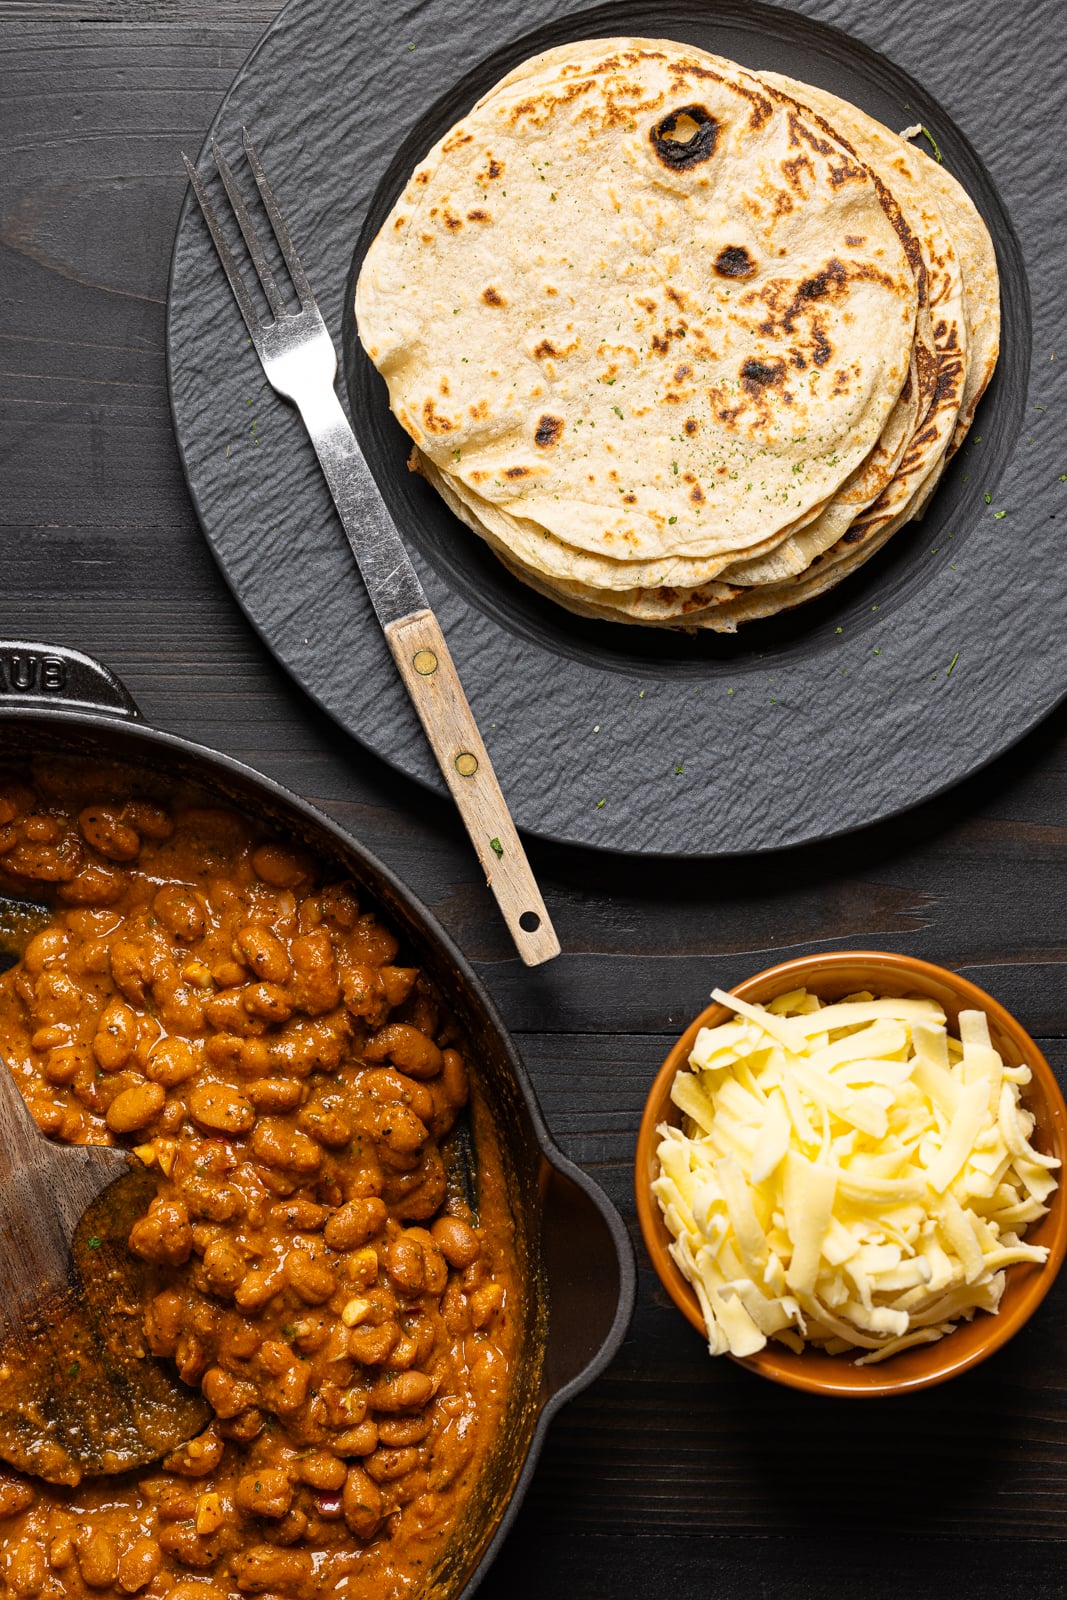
x=214 y=997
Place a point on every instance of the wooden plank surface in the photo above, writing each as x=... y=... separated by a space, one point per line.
x=673 y=1475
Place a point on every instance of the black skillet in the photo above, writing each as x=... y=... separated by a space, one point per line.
x=576 y=1259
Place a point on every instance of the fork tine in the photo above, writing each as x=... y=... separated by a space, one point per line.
x=249 y=233
x=277 y=222
x=232 y=270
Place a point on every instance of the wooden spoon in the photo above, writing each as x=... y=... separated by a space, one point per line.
x=79 y=1392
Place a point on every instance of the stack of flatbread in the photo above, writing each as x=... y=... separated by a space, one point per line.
x=684 y=343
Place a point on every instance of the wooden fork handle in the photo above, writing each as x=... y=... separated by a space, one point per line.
x=431 y=679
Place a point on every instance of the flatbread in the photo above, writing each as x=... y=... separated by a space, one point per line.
x=606 y=306
x=548 y=328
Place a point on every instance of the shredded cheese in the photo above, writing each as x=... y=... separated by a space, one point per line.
x=849 y=1175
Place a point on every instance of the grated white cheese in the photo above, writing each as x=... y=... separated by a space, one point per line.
x=847 y=1174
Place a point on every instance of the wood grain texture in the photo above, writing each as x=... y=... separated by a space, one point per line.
x=673 y=1478
x=425 y=664
x=109 y=1409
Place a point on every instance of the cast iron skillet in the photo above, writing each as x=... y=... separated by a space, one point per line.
x=576 y=1259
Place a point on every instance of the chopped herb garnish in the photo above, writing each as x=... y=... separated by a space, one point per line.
x=672 y=519
x=599 y=804
x=93 y=1243
x=998 y=514
x=988 y=498
x=679 y=770
x=952 y=663
x=74 y=1369
x=933 y=145
x=617 y=410
x=495 y=845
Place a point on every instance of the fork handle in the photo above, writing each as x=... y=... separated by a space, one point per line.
x=431 y=679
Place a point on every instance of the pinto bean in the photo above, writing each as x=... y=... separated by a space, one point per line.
x=219 y=1109
x=63 y=1064
x=98 y=1558
x=316 y=985
x=311 y=1278
x=139 y=1563
x=197 y=1458
x=150 y=820
x=327 y=1128
x=277 y=1144
x=257 y=1287
x=264 y=1493
x=386 y=1465
x=269 y=1001
x=358 y=1441
x=302 y=1214
x=264 y=1567
x=454 y=1081
x=322 y=1470
x=15 y=1494
x=280 y=865
x=181 y=911
x=135 y=1107
x=26 y=1572
x=224 y=1267
x=398 y=982
x=401 y=1391
x=340 y=906
x=183 y=1542
x=485 y=1303
x=171 y=1061
x=227 y=1012
x=103 y=828
x=264 y=952
x=362 y=1503
x=364 y=994
x=398 y=1431
x=406 y=1265
x=92 y=886
x=372 y=1347
x=115 y=1036
x=355 y=1223
x=400 y=1130
x=457 y=1242
x=226 y=1395
x=410 y=1051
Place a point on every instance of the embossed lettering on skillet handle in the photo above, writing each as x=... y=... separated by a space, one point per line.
x=431 y=679
x=54 y=676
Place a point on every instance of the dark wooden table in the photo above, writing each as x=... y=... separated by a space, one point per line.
x=673 y=1476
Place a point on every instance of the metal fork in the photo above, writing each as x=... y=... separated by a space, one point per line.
x=300 y=363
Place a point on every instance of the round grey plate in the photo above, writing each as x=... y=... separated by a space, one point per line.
x=942 y=651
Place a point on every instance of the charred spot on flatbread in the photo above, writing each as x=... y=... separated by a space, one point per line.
x=758 y=375
x=734 y=261
x=548 y=431
x=685 y=137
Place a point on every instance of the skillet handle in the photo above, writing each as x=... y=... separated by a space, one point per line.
x=589 y=1263
x=54 y=676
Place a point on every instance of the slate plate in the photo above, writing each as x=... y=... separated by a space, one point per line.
x=942 y=651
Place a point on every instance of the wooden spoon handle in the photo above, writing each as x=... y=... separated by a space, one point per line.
x=431 y=679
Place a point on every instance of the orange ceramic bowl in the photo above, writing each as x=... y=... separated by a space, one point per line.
x=832 y=976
